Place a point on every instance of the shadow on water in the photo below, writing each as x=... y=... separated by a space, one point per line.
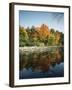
x=42 y=64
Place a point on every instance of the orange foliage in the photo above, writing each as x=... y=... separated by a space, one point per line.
x=44 y=31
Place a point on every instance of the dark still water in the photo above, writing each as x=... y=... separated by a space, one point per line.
x=42 y=64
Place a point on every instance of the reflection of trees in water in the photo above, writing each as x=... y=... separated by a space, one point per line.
x=41 y=61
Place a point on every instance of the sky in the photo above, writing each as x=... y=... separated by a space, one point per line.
x=36 y=18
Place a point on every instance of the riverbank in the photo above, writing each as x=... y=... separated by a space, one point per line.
x=37 y=49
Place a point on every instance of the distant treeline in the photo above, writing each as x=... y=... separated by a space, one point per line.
x=40 y=36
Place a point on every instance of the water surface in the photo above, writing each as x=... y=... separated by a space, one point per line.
x=45 y=64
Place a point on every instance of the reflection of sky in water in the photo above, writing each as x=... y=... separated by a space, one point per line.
x=56 y=71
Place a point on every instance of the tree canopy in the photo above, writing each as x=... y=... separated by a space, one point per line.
x=40 y=36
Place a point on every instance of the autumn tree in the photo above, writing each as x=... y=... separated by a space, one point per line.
x=57 y=36
x=40 y=36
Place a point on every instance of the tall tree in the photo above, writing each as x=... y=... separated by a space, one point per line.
x=23 y=36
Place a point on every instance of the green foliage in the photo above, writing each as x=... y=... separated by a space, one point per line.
x=52 y=31
x=50 y=41
x=61 y=41
x=34 y=37
x=23 y=37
